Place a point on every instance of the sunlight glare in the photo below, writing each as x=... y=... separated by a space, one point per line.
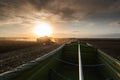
x=42 y=29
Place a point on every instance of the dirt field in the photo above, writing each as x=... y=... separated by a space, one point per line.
x=13 y=54
x=110 y=46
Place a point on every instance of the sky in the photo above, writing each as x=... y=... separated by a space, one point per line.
x=68 y=18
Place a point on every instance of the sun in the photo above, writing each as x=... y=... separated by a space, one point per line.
x=42 y=29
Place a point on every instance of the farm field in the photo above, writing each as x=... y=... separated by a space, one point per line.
x=16 y=53
x=110 y=46
x=62 y=63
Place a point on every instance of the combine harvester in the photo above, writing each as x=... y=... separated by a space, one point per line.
x=73 y=61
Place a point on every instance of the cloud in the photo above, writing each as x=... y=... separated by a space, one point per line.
x=115 y=23
x=76 y=31
x=54 y=10
x=112 y=35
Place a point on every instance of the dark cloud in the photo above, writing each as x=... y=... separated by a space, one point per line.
x=27 y=10
x=113 y=35
x=75 y=31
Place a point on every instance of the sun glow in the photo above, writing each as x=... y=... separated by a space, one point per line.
x=42 y=29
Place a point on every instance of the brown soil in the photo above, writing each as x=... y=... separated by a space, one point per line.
x=110 y=46
x=12 y=59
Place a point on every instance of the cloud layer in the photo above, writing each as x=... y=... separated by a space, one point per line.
x=27 y=11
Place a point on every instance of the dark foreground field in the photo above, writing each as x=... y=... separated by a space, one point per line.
x=110 y=46
x=16 y=53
